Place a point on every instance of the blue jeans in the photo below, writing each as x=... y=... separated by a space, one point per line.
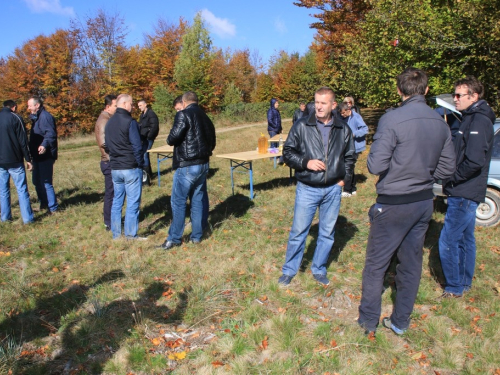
x=146 y=145
x=189 y=182
x=457 y=245
x=42 y=179
x=18 y=175
x=126 y=182
x=307 y=200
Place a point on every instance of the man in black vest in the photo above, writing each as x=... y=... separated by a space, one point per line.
x=126 y=159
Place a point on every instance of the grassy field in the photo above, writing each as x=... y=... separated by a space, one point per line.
x=74 y=301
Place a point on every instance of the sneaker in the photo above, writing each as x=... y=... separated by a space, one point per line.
x=345 y=194
x=386 y=322
x=285 y=279
x=353 y=193
x=167 y=245
x=449 y=295
x=322 y=279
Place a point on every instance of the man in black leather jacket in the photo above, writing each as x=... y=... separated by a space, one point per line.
x=193 y=138
x=321 y=149
x=149 y=126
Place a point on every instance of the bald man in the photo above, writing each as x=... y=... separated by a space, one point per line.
x=126 y=160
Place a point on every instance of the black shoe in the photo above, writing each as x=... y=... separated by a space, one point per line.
x=195 y=242
x=107 y=227
x=167 y=245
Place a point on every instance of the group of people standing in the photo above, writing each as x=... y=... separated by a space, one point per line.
x=124 y=145
x=39 y=153
x=412 y=148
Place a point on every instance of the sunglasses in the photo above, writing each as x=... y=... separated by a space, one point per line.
x=458 y=96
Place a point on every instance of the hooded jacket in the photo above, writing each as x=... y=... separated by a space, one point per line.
x=43 y=133
x=473 y=147
x=411 y=148
x=193 y=137
x=13 y=139
x=305 y=142
x=274 y=119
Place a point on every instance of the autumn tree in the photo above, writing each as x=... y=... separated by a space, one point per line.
x=241 y=73
x=192 y=68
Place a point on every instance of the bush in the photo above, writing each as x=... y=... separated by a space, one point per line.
x=252 y=112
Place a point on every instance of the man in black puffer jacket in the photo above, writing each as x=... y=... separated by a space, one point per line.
x=467 y=187
x=321 y=149
x=193 y=138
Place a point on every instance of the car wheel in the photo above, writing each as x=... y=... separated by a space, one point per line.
x=146 y=180
x=488 y=212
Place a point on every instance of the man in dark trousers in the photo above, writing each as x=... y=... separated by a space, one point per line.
x=43 y=148
x=467 y=187
x=411 y=148
x=193 y=138
x=13 y=149
x=149 y=125
x=299 y=112
x=100 y=125
x=126 y=159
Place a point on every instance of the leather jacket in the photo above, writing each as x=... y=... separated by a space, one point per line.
x=149 y=125
x=100 y=125
x=193 y=137
x=304 y=143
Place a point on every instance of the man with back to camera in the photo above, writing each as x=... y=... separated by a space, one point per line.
x=466 y=188
x=109 y=110
x=126 y=158
x=359 y=131
x=193 y=138
x=13 y=149
x=43 y=149
x=411 y=149
x=150 y=127
x=320 y=148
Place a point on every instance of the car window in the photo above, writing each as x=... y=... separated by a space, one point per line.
x=496 y=146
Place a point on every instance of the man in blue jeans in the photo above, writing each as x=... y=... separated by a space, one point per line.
x=321 y=149
x=193 y=138
x=126 y=160
x=467 y=187
x=13 y=149
x=43 y=148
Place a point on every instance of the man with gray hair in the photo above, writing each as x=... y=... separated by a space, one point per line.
x=126 y=158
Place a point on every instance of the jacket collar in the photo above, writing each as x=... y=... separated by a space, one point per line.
x=123 y=111
x=311 y=120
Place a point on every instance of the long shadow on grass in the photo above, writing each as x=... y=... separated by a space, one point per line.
x=45 y=318
x=344 y=231
x=234 y=206
x=160 y=205
x=270 y=185
x=90 y=340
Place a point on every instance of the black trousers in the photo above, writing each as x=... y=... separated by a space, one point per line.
x=350 y=185
x=109 y=192
x=394 y=228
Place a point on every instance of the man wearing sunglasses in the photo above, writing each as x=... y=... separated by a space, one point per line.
x=467 y=187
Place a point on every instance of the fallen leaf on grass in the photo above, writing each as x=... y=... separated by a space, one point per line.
x=418 y=356
x=156 y=341
x=482 y=267
x=264 y=344
x=423 y=316
x=5 y=253
x=217 y=364
x=333 y=343
x=470 y=355
x=55 y=269
x=177 y=356
x=371 y=336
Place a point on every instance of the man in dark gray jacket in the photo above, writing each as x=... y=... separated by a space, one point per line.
x=467 y=187
x=411 y=148
x=321 y=149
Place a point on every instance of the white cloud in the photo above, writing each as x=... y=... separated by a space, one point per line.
x=49 y=6
x=280 y=26
x=220 y=26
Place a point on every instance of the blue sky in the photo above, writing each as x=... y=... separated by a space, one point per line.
x=266 y=26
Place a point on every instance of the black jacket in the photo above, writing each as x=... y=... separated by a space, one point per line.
x=473 y=147
x=411 y=148
x=304 y=143
x=193 y=137
x=149 y=125
x=43 y=133
x=13 y=139
x=297 y=115
x=123 y=141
